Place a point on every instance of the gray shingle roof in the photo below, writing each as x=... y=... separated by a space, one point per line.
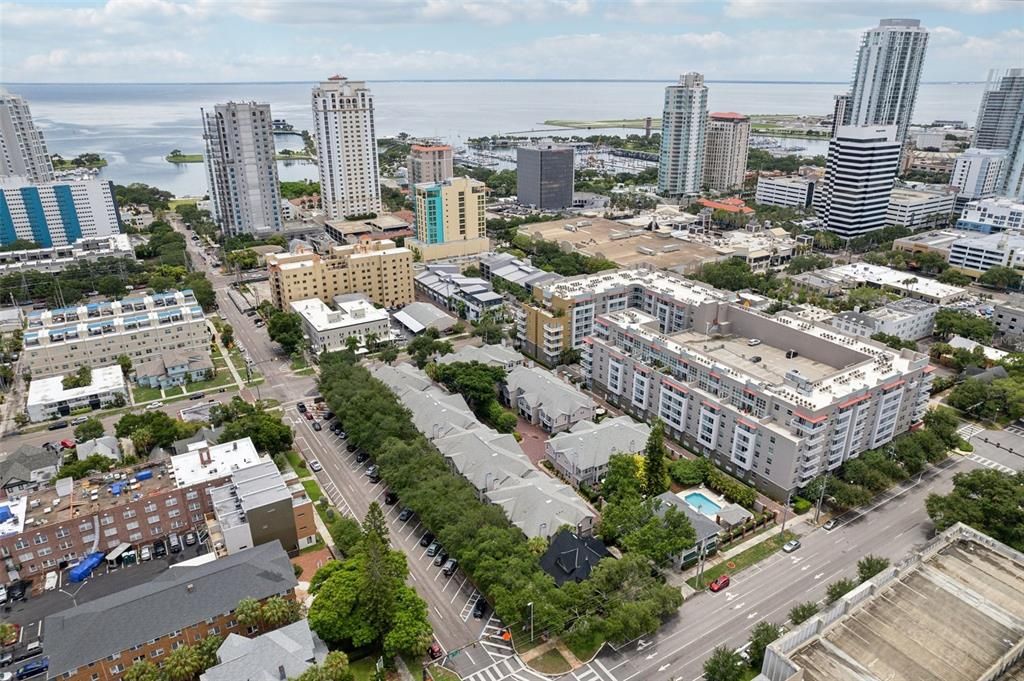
x=704 y=526
x=293 y=647
x=18 y=465
x=176 y=599
x=592 y=444
x=540 y=389
x=491 y=355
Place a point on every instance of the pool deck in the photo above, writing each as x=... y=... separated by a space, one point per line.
x=715 y=500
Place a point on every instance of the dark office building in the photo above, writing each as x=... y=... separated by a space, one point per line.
x=545 y=176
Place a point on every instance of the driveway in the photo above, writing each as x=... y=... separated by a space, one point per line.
x=534 y=440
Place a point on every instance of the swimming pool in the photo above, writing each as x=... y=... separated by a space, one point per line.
x=702 y=504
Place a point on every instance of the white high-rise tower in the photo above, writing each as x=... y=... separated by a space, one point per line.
x=22 y=148
x=241 y=168
x=887 y=75
x=683 y=127
x=346 y=147
x=862 y=163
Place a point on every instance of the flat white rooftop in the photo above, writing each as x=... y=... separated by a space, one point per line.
x=886 y=276
x=204 y=461
x=349 y=313
x=668 y=284
x=50 y=390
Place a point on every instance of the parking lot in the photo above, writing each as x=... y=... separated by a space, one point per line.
x=451 y=599
x=29 y=614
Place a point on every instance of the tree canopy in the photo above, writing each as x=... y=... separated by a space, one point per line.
x=990 y=501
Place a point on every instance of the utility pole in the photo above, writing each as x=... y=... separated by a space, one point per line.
x=785 y=513
x=821 y=497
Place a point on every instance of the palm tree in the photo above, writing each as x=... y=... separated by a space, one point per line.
x=277 y=612
x=247 y=612
x=7 y=632
x=371 y=339
x=352 y=343
x=183 y=664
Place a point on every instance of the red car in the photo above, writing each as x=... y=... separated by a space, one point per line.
x=435 y=651
x=67 y=444
x=720 y=583
x=309 y=416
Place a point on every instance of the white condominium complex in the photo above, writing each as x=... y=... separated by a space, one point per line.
x=56 y=213
x=683 y=127
x=429 y=163
x=795 y=191
x=774 y=401
x=886 y=75
x=22 y=148
x=241 y=168
x=61 y=340
x=1001 y=110
x=346 y=147
x=976 y=174
x=853 y=197
x=725 y=152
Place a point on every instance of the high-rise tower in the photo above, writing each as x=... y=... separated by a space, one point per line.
x=683 y=126
x=346 y=146
x=241 y=168
x=862 y=163
x=22 y=148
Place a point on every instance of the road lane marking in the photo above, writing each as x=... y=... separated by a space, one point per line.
x=438 y=612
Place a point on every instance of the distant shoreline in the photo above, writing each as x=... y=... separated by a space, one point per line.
x=487 y=80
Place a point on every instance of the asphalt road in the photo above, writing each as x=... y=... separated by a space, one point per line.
x=1002 y=450
x=892 y=528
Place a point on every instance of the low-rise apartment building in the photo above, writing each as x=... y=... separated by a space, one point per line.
x=101 y=639
x=906 y=318
x=491 y=355
x=380 y=270
x=561 y=315
x=48 y=398
x=544 y=400
x=844 y=277
x=992 y=215
x=61 y=340
x=938 y=241
x=493 y=463
x=912 y=207
x=1008 y=316
x=468 y=297
x=976 y=254
x=57 y=258
x=774 y=401
x=581 y=454
x=329 y=329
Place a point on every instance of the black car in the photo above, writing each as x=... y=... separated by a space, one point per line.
x=405 y=514
x=328 y=415
x=16 y=591
x=374 y=477
x=427 y=539
x=301 y=407
x=197 y=396
x=317 y=426
x=351 y=448
x=57 y=425
x=361 y=457
x=159 y=548
x=391 y=498
x=480 y=609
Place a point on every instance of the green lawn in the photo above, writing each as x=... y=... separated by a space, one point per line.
x=743 y=560
x=312 y=490
x=174 y=203
x=173 y=391
x=585 y=648
x=222 y=378
x=299 y=362
x=551 y=662
x=364 y=669
x=308 y=371
x=439 y=673
x=297 y=464
x=145 y=394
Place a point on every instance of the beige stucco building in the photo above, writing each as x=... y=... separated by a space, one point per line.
x=725 y=150
x=450 y=220
x=378 y=269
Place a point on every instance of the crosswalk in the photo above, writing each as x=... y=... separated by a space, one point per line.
x=989 y=463
x=491 y=639
x=969 y=430
x=1015 y=429
x=595 y=671
x=511 y=668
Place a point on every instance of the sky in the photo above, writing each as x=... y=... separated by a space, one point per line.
x=293 y=40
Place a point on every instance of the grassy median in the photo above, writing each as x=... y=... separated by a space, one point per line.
x=743 y=560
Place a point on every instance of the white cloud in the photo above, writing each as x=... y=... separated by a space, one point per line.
x=111 y=16
x=827 y=10
x=383 y=12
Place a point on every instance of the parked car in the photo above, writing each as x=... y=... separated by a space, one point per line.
x=342 y=434
x=190 y=538
x=301 y=407
x=391 y=498
x=480 y=609
x=791 y=546
x=159 y=548
x=67 y=444
x=351 y=448
x=146 y=553
x=154 y=405
x=375 y=477
x=174 y=543
x=433 y=549
x=3 y=594
x=328 y=415
x=426 y=539
x=197 y=396
x=16 y=591
x=33 y=669
x=434 y=651
x=372 y=471
x=315 y=466
x=405 y=514
x=57 y=425
x=831 y=524
x=719 y=583
x=440 y=558
x=28 y=652
x=50 y=582
x=308 y=415
x=79 y=420
x=317 y=426
x=450 y=567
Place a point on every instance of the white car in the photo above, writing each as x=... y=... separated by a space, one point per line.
x=154 y=405
x=315 y=466
x=79 y=420
x=145 y=553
